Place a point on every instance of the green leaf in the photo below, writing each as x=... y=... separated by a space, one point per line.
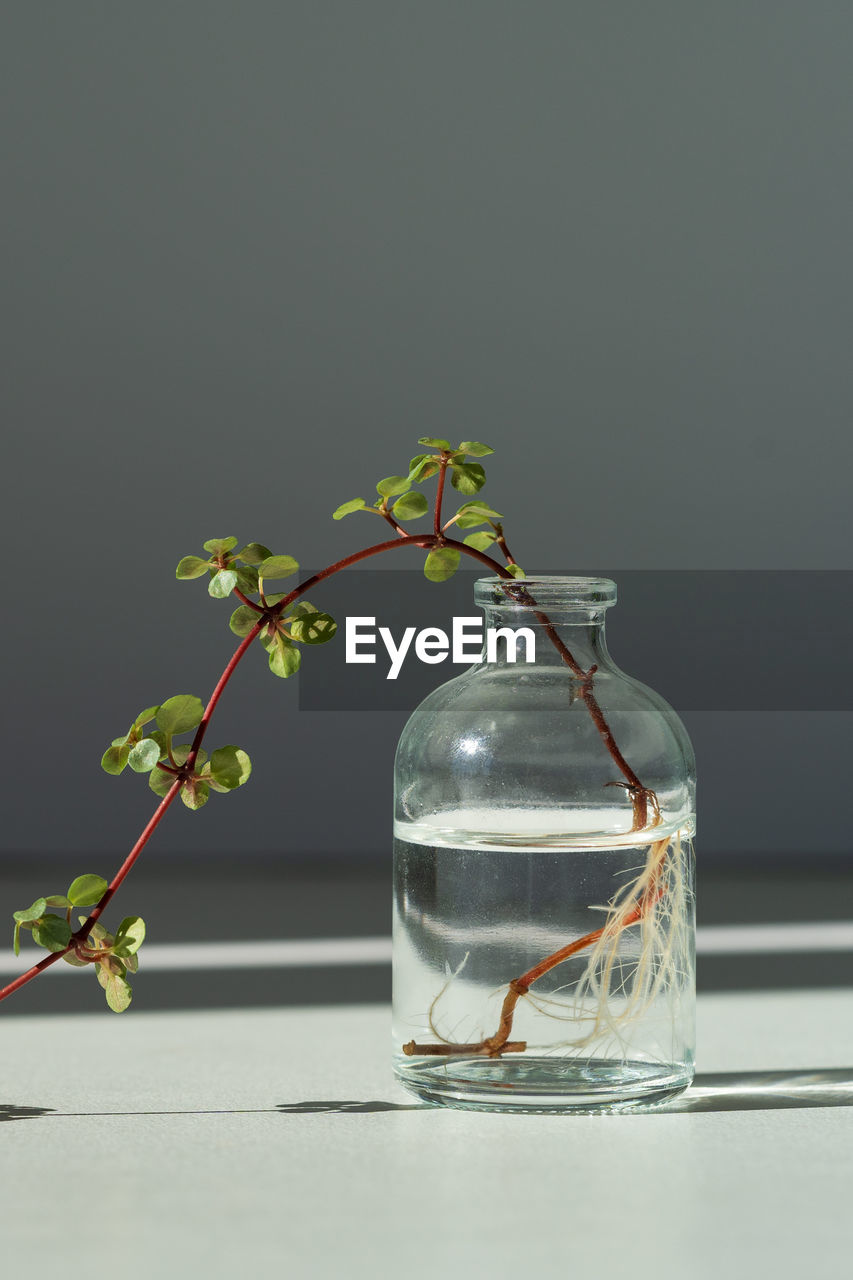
x=114 y=759
x=144 y=756
x=441 y=564
x=191 y=567
x=247 y=579
x=277 y=567
x=474 y=513
x=130 y=936
x=347 y=508
x=85 y=891
x=58 y=900
x=479 y=508
x=313 y=628
x=182 y=754
x=516 y=571
x=160 y=782
x=480 y=541
x=194 y=793
x=222 y=584
x=35 y=912
x=391 y=485
x=301 y=610
x=467 y=477
x=242 y=620
x=284 y=657
x=422 y=467
x=230 y=767
x=180 y=714
x=474 y=448
x=144 y=716
x=70 y=958
x=254 y=553
x=117 y=991
x=433 y=442
x=410 y=507
x=218 y=546
x=52 y=932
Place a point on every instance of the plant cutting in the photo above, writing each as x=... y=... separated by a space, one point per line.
x=634 y=969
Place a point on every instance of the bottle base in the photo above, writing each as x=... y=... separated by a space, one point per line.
x=544 y=1084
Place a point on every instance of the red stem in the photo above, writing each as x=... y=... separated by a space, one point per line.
x=439 y=496
x=423 y=541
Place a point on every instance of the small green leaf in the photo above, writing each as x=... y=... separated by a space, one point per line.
x=144 y=756
x=467 y=477
x=58 y=900
x=301 y=610
x=284 y=657
x=117 y=991
x=230 y=767
x=191 y=567
x=516 y=571
x=222 y=584
x=247 y=579
x=182 y=754
x=474 y=449
x=422 y=467
x=218 y=546
x=35 y=912
x=114 y=759
x=277 y=567
x=242 y=620
x=313 y=628
x=410 y=507
x=347 y=508
x=130 y=936
x=479 y=508
x=85 y=891
x=160 y=782
x=441 y=564
x=433 y=442
x=71 y=958
x=254 y=553
x=144 y=716
x=52 y=932
x=180 y=714
x=194 y=793
x=480 y=541
x=392 y=485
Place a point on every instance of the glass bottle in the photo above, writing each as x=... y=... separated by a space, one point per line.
x=543 y=871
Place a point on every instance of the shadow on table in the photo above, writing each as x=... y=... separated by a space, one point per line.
x=720 y=1091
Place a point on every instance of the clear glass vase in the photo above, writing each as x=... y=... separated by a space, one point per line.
x=543 y=871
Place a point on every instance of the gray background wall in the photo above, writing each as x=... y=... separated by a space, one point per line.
x=252 y=251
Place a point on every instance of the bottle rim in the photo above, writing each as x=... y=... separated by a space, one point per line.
x=546 y=591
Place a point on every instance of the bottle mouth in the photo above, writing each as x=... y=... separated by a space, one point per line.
x=545 y=591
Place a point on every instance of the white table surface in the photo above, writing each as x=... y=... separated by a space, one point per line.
x=167 y=1151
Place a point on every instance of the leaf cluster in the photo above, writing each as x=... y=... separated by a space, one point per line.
x=278 y=632
x=114 y=956
x=467 y=477
x=155 y=752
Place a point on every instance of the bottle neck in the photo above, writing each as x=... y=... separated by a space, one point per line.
x=554 y=631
